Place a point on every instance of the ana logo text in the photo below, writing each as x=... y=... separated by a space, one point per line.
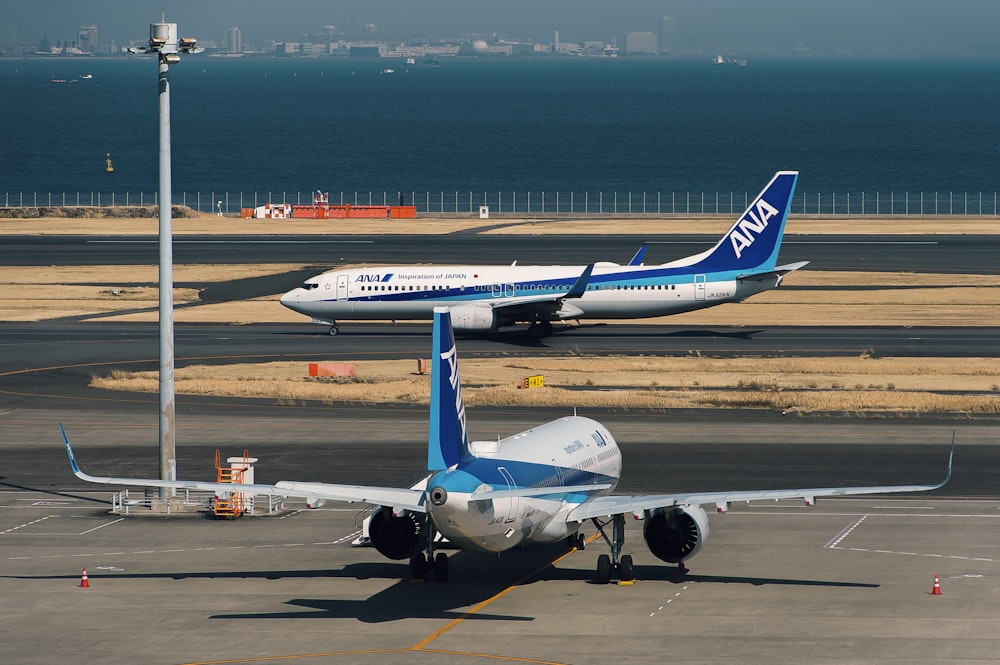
x=376 y=277
x=748 y=228
x=450 y=357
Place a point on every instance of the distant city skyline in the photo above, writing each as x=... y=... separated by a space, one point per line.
x=919 y=28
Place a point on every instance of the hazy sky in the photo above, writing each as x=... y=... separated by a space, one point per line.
x=917 y=27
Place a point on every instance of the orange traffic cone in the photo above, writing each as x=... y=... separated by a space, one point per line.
x=936 y=591
x=85 y=583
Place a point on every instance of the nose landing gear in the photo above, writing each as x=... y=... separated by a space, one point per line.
x=609 y=566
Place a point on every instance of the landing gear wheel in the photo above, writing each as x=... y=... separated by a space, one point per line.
x=581 y=541
x=546 y=327
x=603 y=569
x=625 y=571
x=418 y=567
x=440 y=567
x=333 y=331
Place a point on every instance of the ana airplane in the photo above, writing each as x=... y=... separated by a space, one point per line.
x=538 y=486
x=484 y=298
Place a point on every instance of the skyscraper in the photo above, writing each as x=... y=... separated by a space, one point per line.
x=234 y=40
x=668 y=35
x=87 y=40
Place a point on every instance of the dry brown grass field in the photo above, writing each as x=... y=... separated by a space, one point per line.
x=430 y=225
x=792 y=385
x=972 y=386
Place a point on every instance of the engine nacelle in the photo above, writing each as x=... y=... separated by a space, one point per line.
x=474 y=317
x=676 y=534
x=396 y=537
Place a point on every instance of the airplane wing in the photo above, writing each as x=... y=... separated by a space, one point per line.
x=398 y=498
x=549 y=303
x=606 y=506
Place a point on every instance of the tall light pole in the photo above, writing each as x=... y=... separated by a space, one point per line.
x=163 y=41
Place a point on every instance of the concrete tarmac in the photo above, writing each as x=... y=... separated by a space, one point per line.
x=843 y=582
x=847 y=581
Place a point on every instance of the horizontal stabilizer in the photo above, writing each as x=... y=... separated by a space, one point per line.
x=536 y=491
x=779 y=271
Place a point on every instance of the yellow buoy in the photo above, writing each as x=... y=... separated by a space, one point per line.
x=109 y=169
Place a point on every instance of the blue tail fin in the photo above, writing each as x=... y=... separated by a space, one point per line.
x=752 y=243
x=448 y=438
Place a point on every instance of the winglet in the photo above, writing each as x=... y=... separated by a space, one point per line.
x=447 y=436
x=951 y=458
x=637 y=258
x=69 y=452
x=72 y=459
x=580 y=285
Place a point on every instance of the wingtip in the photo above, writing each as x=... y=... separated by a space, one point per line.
x=69 y=451
x=951 y=456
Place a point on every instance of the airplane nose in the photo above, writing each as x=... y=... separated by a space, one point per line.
x=290 y=299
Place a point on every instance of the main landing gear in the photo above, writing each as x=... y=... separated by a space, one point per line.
x=610 y=566
x=540 y=329
x=333 y=331
x=429 y=567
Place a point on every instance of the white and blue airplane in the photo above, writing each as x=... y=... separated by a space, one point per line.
x=539 y=486
x=485 y=298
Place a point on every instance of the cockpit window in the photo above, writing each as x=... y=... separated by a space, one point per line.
x=310 y=286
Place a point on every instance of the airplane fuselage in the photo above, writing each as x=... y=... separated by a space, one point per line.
x=613 y=292
x=571 y=451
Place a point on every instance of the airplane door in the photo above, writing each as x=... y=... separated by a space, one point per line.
x=699 y=287
x=512 y=506
x=341 y=287
x=502 y=290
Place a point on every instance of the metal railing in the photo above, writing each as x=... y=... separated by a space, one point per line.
x=123 y=503
x=547 y=203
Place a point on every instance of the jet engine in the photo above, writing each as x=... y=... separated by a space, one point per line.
x=474 y=317
x=396 y=537
x=676 y=534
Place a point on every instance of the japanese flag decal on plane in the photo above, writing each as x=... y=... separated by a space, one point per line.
x=447 y=437
x=751 y=244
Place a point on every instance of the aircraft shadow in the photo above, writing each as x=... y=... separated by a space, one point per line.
x=252 y=287
x=66 y=495
x=471 y=583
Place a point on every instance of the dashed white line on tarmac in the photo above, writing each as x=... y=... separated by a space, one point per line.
x=21 y=526
x=669 y=600
x=173 y=551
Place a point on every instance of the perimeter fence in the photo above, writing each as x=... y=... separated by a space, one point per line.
x=962 y=204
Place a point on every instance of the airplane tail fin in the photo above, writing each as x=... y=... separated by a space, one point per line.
x=752 y=243
x=447 y=438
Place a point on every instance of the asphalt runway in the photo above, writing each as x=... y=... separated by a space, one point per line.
x=847 y=581
x=936 y=254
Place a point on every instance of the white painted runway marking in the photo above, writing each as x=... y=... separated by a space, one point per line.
x=21 y=526
x=173 y=550
x=670 y=600
x=101 y=526
x=835 y=542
